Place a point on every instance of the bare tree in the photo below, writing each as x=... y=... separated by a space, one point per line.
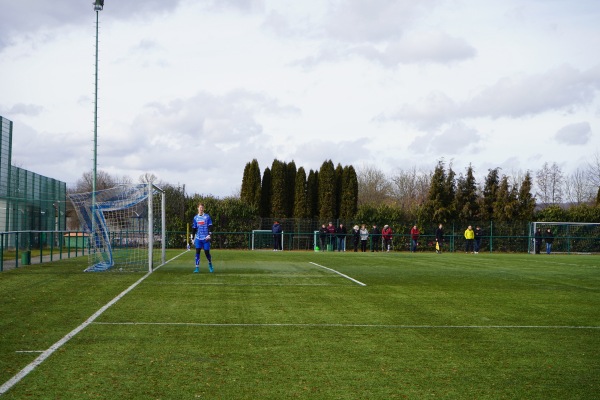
x=593 y=171
x=103 y=181
x=549 y=182
x=410 y=188
x=373 y=186
x=148 y=177
x=577 y=188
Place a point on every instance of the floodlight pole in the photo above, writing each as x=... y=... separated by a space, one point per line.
x=98 y=6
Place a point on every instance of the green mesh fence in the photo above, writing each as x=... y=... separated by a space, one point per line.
x=28 y=201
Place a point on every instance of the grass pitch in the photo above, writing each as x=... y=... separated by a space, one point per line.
x=274 y=325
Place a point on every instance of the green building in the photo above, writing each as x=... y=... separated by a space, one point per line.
x=28 y=201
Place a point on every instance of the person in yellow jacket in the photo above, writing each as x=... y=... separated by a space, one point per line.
x=469 y=239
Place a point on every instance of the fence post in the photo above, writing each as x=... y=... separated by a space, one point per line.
x=1 y=251
x=17 y=250
x=491 y=236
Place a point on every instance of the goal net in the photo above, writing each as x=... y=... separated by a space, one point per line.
x=263 y=240
x=569 y=237
x=124 y=226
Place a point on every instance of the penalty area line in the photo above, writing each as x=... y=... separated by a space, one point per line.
x=47 y=353
x=339 y=273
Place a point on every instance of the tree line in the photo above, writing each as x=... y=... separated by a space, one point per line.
x=368 y=195
x=285 y=191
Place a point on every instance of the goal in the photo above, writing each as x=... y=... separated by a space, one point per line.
x=569 y=237
x=263 y=240
x=124 y=225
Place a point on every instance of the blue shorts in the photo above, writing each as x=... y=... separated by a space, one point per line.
x=202 y=244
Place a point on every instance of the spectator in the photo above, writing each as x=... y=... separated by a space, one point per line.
x=439 y=239
x=323 y=237
x=375 y=238
x=387 y=234
x=549 y=238
x=537 y=241
x=341 y=233
x=469 y=239
x=478 y=236
x=277 y=231
x=364 y=238
x=414 y=238
x=330 y=235
x=355 y=237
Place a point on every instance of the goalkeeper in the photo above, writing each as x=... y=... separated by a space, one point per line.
x=202 y=231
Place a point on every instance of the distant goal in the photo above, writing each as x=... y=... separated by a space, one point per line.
x=569 y=237
x=263 y=240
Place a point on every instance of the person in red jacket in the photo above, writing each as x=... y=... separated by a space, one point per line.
x=414 y=237
x=386 y=234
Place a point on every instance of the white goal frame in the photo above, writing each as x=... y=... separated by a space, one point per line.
x=123 y=219
x=260 y=232
x=566 y=238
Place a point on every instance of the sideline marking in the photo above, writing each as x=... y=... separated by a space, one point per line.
x=47 y=353
x=356 y=325
x=339 y=273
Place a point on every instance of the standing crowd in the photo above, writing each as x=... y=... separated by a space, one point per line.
x=333 y=238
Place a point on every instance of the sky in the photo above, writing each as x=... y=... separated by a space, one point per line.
x=193 y=90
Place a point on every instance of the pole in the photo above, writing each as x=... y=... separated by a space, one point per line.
x=95 y=115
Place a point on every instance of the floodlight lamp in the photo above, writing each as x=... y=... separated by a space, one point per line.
x=98 y=5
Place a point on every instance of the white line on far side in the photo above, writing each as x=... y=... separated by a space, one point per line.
x=339 y=273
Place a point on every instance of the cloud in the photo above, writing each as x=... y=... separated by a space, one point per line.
x=373 y=21
x=456 y=139
x=434 y=47
x=574 y=134
x=214 y=135
x=346 y=152
x=428 y=113
x=23 y=109
x=561 y=89
x=20 y=19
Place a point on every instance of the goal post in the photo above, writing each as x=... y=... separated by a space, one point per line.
x=125 y=227
x=262 y=239
x=569 y=237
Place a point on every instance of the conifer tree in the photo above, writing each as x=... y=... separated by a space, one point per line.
x=278 y=189
x=265 y=194
x=312 y=193
x=301 y=200
x=526 y=199
x=489 y=194
x=349 y=199
x=440 y=198
x=290 y=188
x=250 y=192
x=505 y=202
x=466 y=202
x=327 y=196
x=339 y=176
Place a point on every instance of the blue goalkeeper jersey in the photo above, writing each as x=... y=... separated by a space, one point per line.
x=201 y=224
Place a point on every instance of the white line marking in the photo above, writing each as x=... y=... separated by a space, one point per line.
x=47 y=353
x=247 y=284
x=339 y=273
x=357 y=325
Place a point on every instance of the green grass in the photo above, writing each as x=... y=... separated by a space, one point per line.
x=271 y=325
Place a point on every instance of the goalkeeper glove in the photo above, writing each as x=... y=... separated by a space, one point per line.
x=208 y=237
x=192 y=238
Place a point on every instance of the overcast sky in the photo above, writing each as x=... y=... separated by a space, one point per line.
x=192 y=90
